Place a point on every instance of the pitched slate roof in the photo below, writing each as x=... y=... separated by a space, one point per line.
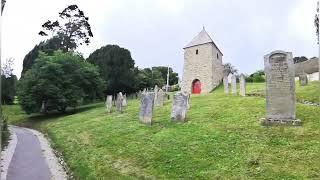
x=202 y=38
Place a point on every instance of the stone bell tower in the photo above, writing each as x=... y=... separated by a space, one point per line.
x=203 y=69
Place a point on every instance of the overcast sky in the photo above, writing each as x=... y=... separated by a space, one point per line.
x=155 y=31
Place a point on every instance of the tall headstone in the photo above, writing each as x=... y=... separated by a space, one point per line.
x=146 y=108
x=160 y=98
x=280 y=89
x=124 y=101
x=303 y=79
x=119 y=102
x=226 y=84
x=109 y=104
x=233 y=84
x=242 y=85
x=43 y=107
x=156 y=89
x=180 y=107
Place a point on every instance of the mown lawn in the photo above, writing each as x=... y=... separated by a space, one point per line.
x=223 y=139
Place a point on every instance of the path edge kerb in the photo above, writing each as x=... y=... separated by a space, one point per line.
x=56 y=170
x=7 y=154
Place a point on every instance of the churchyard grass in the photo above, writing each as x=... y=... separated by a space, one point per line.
x=222 y=138
x=310 y=92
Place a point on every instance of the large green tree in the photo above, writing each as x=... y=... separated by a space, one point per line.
x=49 y=47
x=8 y=82
x=72 y=28
x=173 y=76
x=116 y=67
x=59 y=81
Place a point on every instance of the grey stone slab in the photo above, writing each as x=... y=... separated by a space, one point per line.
x=124 y=101
x=119 y=102
x=280 y=89
x=180 y=107
x=155 y=90
x=146 y=108
x=109 y=104
x=234 y=84
x=159 y=100
x=242 y=85
x=303 y=79
x=226 y=84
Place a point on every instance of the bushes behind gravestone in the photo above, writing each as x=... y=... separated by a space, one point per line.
x=258 y=76
x=59 y=81
x=8 y=89
x=116 y=68
x=175 y=88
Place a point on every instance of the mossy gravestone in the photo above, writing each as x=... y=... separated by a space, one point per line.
x=280 y=89
x=234 y=84
x=226 y=84
x=146 y=108
x=242 y=85
x=109 y=104
x=180 y=107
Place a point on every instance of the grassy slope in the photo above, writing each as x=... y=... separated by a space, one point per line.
x=311 y=92
x=223 y=138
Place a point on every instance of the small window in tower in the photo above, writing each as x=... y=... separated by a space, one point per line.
x=197 y=52
x=217 y=56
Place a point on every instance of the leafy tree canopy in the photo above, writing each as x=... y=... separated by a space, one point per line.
x=59 y=81
x=71 y=29
x=116 y=68
x=229 y=68
x=299 y=59
x=8 y=82
x=173 y=76
x=49 y=47
x=258 y=76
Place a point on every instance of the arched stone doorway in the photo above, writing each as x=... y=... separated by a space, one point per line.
x=196 y=86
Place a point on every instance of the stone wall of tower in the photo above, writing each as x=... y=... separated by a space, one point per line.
x=205 y=66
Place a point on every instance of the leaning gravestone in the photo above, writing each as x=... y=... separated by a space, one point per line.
x=280 y=89
x=146 y=108
x=119 y=102
x=242 y=85
x=303 y=80
x=109 y=104
x=180 y=107
x=226 y=84
x=160 y=98
x=233 y=84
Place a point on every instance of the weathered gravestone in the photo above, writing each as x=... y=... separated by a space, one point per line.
x=119 y=102
x=226 y=84
x=160 y=98
x=303 y=79
x=233 y=84
x=124 y=101
x=109 y=104
x=180 y=107
x=280 y=89
x=146 y=108
x=242 y=85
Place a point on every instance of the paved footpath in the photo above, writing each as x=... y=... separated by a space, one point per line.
x=32 y=158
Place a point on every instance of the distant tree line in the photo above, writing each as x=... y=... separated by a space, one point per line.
x=55 y=76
